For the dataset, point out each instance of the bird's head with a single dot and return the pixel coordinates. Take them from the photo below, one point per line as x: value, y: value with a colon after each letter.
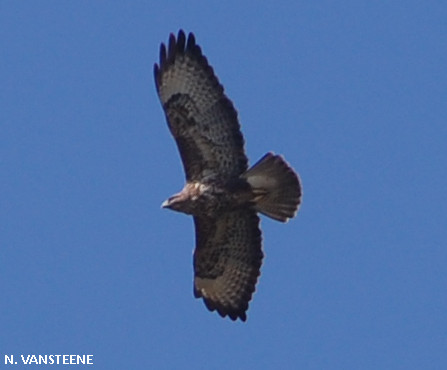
x: 179, y: 202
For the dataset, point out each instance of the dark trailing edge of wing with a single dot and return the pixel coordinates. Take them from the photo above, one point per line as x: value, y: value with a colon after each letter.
x: 223, y: 311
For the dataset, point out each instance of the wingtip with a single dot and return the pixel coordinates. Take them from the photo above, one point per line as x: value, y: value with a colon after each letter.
x: 156, y: 71
x: 181, y: 34
x: 181, y: 39
x: 171, y: 47
x: 191, y: 41
x: 162, y: 54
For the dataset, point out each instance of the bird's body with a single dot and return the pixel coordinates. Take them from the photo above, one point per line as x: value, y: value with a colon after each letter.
x: 211, y: 198
x: 221, y: 193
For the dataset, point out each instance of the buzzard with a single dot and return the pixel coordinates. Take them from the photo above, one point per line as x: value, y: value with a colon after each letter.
x: 221, y: 193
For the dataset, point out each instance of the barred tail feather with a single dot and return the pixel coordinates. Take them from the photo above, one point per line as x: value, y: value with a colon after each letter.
x: 276, y: 186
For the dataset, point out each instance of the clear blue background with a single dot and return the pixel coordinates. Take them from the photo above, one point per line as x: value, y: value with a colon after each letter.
x: 353, y: 93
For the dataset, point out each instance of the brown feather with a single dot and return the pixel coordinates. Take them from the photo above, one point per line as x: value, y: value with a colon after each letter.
x: 227, y: 261
x: 221, y: 194
x: 200, y: 116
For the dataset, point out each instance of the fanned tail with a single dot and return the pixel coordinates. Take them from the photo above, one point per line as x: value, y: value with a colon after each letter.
x: 276, y: 186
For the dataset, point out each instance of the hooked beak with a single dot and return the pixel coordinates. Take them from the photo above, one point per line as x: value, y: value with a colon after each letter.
x: 166, y: 203
x: 174, y: 202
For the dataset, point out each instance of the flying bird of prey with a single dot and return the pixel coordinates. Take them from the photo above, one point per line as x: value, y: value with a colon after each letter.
x: 221, y: 193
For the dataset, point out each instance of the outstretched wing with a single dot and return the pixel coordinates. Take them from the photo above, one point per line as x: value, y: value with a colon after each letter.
x: 201, y: 118
x: 227, y: 261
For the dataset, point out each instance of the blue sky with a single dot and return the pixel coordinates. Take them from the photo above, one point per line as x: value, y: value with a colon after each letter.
x: 352, y: 93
